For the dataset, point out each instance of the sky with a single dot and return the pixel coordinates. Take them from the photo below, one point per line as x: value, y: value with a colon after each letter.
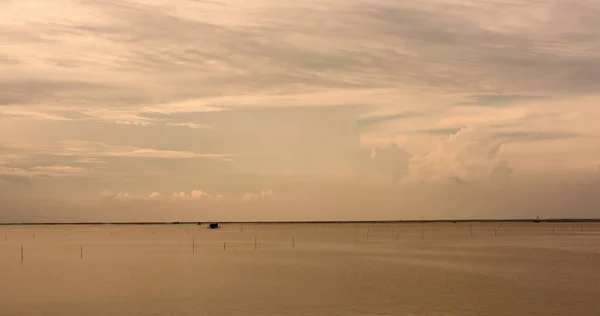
x: 236, y: 110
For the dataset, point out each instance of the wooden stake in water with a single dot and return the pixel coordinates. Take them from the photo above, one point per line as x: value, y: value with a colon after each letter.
x: 255, y: 245
x: 22, y: 253
x: 293, y: 243
x: 224, y: 245
x: 81, y: 252
x: 33, y: 235
x: 397, y: 236
x: 367, y: 236
x: 193, y: 245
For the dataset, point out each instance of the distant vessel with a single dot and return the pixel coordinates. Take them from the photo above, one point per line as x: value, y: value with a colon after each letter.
x: 537, y: 220
x: 213, y: 225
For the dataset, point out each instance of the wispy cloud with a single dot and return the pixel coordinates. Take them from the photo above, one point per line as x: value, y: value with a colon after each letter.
x: 97, y: 153
x: 43, y: 171
x: 194, y: 195
x: 206, y: 50
x: 534, y: 135
x: 497, y: 99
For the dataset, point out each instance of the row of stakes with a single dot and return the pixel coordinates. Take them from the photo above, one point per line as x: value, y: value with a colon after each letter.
x: 393, y: 229
x: 293, y: 240
x: 397, y: 234
x: 193, y: 247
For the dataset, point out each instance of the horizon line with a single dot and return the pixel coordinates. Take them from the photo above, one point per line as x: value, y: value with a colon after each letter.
x: 549, y: 220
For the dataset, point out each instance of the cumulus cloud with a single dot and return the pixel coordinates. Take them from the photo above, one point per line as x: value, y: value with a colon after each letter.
x: 390, y: 161
x: 469, y: 155
x: 193, y: 195
x: 257, y: 196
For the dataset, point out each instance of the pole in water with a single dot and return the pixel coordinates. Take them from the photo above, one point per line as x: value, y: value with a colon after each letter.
x: 33, y: 235
x: 397, y: 236
x: 367, y: 236
x: 471, y: 230
x: 224, y: 245
x: 81, y: 253
x: 293, y: 243
x: 422, y: 232
x: 21, y: 253
x: 255, y: 243
x: 193, y: 245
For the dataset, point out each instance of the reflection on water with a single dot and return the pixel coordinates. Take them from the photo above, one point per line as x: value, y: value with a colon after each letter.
x: 304, y: 269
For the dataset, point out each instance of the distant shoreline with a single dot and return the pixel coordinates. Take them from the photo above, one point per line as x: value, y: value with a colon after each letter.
x: 549, y: 220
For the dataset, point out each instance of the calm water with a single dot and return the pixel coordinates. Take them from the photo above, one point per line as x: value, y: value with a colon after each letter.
x: 310, y: 269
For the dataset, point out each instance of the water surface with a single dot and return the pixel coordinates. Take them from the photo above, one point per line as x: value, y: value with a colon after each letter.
x: 301, y: 269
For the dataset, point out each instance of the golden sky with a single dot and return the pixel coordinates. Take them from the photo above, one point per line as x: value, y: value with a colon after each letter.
x: 298, y: 110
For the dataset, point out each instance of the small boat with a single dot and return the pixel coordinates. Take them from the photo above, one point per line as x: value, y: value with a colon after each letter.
x: 213, y: 225
x: 537, y: 220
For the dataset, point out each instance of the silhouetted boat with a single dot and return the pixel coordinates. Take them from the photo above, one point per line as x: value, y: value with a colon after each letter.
x: 213, y: 225
x: 537, y: 220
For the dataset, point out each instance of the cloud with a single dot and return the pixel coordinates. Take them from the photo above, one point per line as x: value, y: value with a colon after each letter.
x: 88, y: 151
x: 374, y: 120
x: 154, y: 195
x: 90, y: 160
x: 390, y: 162
x: 43, y: 171
x: 469, y: 155
x: 527, y: 136
x: 257, y: 197
x: 194, y: 195
x: 163, y: 154
x: 498, y: 99
x: 189, y: 125
x: 139, y: 53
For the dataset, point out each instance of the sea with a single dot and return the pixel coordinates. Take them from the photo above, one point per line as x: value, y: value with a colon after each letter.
x: 445, y: 269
